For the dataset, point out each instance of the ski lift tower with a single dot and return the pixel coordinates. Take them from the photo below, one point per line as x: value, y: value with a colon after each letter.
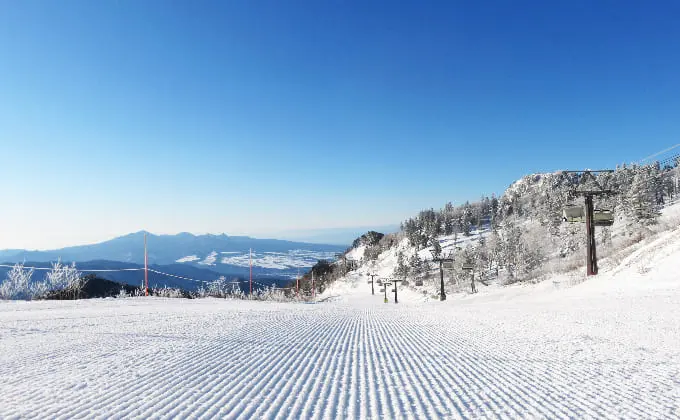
x: 589, y: 215
x: 371, y: 282
x: 444, y: 262
x: 469, y: 267
x: 394, y: 282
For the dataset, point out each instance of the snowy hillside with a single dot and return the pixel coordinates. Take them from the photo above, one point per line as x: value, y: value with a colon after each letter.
x: 621, y: 253
x: 522, y: 236
x: 608, y: 347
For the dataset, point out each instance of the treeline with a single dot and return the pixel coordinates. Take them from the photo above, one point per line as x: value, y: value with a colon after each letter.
x: 66, y: 282
x: 430, y: 224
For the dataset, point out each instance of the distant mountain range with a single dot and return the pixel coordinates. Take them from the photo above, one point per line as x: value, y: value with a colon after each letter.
x: 223, y: 254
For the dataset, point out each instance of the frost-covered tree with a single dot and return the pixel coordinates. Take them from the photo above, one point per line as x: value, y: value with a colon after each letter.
x: 448, y: 218
x: 218, y: 288
x: 17, y: 284
x: 520, y: 252
x: 436, y: 248
x: 63, y: 277
x: 494, y: 251
x: 122, y: 293
x: 401, y: 270
x: 168, y: 292
x: 369, y: 238
x: 641, y: 200
x: 272, y: 294
x: 467, y: 219
x: 372, y: 252
x: 202, y: 292
x: 416, y: 265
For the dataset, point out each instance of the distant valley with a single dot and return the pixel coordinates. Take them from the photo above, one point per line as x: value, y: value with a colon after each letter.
x: 219, y: 254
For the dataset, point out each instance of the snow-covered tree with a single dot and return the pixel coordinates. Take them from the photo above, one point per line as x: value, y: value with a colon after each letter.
x: 641, y: 199
x: 416, y: 265
x: 371, y: 252
x: 218, y: 288
x: 17, y: 284
x: 401, y: 270
x: 63, y: 277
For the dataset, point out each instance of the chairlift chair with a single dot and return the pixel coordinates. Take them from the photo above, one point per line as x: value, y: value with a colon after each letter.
x: 603, y: 217
x: 382, y: 290
x: 419, y: 282
x: 574, y: 214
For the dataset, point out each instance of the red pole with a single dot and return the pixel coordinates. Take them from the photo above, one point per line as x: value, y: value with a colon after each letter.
x: 146, y: 268
x: 251, y: 272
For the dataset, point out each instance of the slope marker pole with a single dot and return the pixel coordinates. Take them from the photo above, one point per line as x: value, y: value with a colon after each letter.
x: 251, y: 271
x: 146, y: 268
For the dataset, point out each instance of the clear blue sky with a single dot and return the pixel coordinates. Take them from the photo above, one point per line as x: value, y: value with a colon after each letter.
x: 253, y: 117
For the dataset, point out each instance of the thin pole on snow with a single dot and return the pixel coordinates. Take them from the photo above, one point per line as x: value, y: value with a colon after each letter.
x: 146, y: 268
x: 371, y: 281
x: 394, y: 282
x: 385, y: 286
x: 250, y: 263
x: 591, y: 253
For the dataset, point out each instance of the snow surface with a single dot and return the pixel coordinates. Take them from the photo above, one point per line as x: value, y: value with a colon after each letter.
x: 608, y: 347
x: 188, y: 258
x: 289, y: 260
x: 209, y: 259
x: 295, y: 258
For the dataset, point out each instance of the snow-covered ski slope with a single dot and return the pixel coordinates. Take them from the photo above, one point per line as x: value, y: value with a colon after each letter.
x: 605, y: 348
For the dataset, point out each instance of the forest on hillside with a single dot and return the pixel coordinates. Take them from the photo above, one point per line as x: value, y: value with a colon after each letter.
x: 522, y: 234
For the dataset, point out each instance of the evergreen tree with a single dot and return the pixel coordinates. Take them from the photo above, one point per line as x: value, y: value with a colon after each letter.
x: 401, y: 270
x: 416, y: 266
x: 641, y: 198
